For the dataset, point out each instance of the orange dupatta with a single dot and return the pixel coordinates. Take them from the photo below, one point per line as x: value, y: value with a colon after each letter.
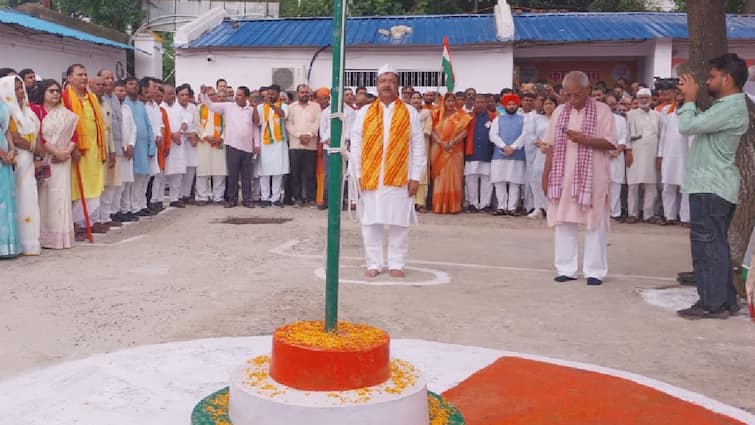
x: 162, y: 151
x: 72, y: 101
x: 469, y: 143
x: 397, y: 155
x: 276, y: 135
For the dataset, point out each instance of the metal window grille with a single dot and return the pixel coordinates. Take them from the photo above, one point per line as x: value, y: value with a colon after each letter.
x: 415, y: 78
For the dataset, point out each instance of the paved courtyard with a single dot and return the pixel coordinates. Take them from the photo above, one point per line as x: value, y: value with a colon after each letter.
x: 473, y: 279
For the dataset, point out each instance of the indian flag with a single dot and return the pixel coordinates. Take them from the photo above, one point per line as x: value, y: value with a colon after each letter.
x: 448, y: 69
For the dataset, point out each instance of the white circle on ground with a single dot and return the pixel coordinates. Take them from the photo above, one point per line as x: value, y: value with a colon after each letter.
x: 439, y: 278
x: 161, y: 384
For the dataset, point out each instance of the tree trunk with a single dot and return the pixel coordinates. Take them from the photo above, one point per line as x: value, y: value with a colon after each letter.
x: 706, y: 22
x: 744, y: 217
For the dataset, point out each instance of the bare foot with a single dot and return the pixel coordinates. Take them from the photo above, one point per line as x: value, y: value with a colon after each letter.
x: 398, y: 274
x: 372, y: 273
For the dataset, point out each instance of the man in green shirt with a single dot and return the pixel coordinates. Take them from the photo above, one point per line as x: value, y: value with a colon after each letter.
x: 712, y: 181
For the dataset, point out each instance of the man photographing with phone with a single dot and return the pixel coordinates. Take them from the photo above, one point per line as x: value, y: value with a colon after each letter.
x: 712, y: 181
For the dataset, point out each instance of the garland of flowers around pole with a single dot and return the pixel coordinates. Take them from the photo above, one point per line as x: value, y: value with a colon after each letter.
x: 213, y: 410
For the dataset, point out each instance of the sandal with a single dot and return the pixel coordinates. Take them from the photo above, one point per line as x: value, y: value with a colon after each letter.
x: 499, y: 213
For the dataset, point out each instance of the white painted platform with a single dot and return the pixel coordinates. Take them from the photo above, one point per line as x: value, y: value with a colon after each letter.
x: 256, y: 399
x: 161, y: 384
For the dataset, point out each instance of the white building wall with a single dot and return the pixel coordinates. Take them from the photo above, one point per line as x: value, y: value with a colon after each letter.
x: 149, y: 58
x: 49, y: 55
x: 486, y: 68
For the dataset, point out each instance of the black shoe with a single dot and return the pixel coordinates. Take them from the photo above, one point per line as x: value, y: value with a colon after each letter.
x: 247, y: 204
x: 264, y: 204
x: 471, y: 209
x: 499, y: 213
x: 722, y: 314
x: 695, y: 312
x: 132, y: 216
x: 230, y: 205
x: 278, y: 204
x: 144, y: 213
x: 593, y: 281
x: 564, y: 279
x: 123, y: 218
x: 322, y: 207
x: 734, y: 309
x: 177, y: 204
x: 618, y: 219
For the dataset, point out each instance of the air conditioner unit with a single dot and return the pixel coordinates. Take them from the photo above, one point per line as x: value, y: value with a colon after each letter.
x: 288, y: 78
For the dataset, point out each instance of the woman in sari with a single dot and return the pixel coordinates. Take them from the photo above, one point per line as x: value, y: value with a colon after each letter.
x: 538, y: 165
x: 10, y: 242
x: 58, y: 125
x: 420, y: 199
x: 448, y: 156
x: 24, y: 130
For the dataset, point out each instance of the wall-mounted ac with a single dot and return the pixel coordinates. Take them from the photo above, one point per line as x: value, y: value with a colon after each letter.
x: 288, y: 78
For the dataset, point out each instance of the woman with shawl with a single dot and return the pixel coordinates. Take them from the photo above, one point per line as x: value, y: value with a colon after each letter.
x: 448, y: 156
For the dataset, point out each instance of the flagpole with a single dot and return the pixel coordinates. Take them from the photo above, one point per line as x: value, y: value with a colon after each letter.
x: 335, y: 169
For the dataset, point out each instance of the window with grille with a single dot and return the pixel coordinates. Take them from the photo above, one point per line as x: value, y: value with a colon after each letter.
x: 368, y: 78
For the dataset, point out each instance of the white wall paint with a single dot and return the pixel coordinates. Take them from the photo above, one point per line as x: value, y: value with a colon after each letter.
x: 149, y: 58
x: 487, y: 69
x: 659, y: 61
x: 49, y: 56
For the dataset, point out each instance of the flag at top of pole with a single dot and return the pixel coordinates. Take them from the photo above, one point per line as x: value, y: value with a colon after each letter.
x: 448, y: 69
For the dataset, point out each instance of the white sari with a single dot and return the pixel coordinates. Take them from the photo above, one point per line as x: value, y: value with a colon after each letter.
x: 55, y: 192
x: 27, y: 203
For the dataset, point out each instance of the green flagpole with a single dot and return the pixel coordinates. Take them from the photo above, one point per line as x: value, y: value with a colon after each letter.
x: 335, y: 170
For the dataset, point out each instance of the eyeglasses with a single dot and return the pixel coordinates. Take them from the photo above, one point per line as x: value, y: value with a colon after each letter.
x: 53, y: 91
x: 568, y: 95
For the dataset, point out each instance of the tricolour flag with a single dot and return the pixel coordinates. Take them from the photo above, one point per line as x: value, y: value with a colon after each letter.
x: 448, y: 69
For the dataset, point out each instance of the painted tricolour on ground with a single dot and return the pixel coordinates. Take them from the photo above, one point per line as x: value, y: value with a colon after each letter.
x: 161, y: 384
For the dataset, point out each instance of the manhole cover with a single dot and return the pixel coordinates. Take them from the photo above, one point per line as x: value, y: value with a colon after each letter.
x: 253, y: 220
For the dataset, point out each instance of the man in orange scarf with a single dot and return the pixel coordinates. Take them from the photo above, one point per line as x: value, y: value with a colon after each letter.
x: 388, y: 166
x: 88, y: 174
x: 270, y: 116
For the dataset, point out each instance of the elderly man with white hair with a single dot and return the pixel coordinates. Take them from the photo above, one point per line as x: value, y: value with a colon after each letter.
x: 644, y: 125
x: 388, y: 158
x: 576, y: 179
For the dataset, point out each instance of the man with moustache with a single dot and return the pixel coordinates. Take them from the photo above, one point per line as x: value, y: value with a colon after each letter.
x: 644, y: 126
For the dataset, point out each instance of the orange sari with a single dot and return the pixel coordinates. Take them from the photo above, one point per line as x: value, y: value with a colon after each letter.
x: 448, y: 167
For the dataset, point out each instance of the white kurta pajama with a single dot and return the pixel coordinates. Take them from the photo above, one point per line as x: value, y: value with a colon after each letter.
x: 176, y: 164
x: 159, y: 181
x: 530, y: 153
x: 618, y: 166
x: 644, y: 134
x: 540, y: 201
x: 273, y: 157
x: 388, y: 205
x: 673, y: 149
x: 211, y: 165
x: 508, y: 172
x: 125, y: 165
x: 190, y: 152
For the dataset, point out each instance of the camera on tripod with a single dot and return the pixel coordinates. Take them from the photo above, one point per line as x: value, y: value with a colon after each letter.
x: 665, y: 83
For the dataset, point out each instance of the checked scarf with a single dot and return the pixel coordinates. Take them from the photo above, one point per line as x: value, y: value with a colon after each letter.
x: 582, y: 181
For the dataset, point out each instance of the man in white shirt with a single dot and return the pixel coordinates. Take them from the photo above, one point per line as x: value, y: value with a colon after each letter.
x: 302, y: 127
x: 673, y: 150
x: 618, y: 165
x: 182, y: 115
x: 388, y: 166
x: 644, y: 126
x: 158, y: 127
x: 270, y: 116
x: 124, y: 160
x: 240, y: 144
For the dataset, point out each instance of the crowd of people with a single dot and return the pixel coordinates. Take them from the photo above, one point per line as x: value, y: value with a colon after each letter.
x: 93, y: 153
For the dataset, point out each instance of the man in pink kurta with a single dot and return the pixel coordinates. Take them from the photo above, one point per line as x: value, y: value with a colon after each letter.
x: 586, y: 136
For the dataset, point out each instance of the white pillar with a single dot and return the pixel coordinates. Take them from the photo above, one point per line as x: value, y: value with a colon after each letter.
x: 659, y: 62
x: 507, y: 67
x: 149, y: 55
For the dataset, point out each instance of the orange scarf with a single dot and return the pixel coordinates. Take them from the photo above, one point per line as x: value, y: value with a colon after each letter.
x: 469, y: 144
x: 277, y: 134
x: 162, y: 151
x: 72, y: 101
x: 396, y: 171
x: 217, y: 125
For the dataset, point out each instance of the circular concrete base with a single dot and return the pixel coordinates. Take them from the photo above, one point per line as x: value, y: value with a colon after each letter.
x: 161, y: 384
x: 257, y: 399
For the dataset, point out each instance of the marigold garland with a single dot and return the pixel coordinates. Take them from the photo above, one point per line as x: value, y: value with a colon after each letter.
x: 347, y: 336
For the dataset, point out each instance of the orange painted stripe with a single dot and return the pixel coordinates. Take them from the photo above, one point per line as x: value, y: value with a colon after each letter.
x: 514, y: 391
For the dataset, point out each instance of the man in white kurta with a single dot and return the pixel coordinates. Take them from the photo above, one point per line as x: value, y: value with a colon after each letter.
x: 391, y: 206
x: 156, y: 121
x: 125, y: 162
x: 618, y: 164
x: 672, y: 154
x: 509, y: 133
x: 175, y: 164
x: 192, y: 140
x: 644, y: 125
x: 211, y: 166
x: 270, y: 116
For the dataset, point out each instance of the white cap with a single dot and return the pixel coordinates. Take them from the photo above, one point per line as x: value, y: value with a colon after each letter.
x: 385, y: 69
x: 644, y: 92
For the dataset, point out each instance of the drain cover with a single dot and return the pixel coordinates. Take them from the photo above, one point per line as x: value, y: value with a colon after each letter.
x: 253, y: 220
